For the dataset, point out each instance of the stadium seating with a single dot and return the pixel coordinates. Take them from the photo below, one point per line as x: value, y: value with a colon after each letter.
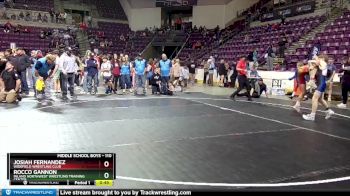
x: 261, y: 37
x: 40, y: 5
x: 113, y: 31
x: 29, y: 41
x: 108, y: 8
x: 335, y: 42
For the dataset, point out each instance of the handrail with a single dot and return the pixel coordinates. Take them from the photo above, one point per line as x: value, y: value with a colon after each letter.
x: 183, y: 45
x: 171, y: 56
x: 154, y: 36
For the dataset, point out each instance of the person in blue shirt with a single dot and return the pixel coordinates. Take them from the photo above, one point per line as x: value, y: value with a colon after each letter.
x: 140, y: 66
x: 92, y: 73
x: 125, y: 74
x: 165, y: 70
x: 44, y: 70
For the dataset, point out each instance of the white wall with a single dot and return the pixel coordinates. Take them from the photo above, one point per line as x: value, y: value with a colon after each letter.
x: 209, y: 16
x: 141, y: 18
x: 236, y: 5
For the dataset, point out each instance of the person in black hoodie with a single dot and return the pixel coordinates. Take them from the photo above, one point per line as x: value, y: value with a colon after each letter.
x: 21, y: 61
x: 3, y: 61
x: 156, y: 81
x: 345, y: 83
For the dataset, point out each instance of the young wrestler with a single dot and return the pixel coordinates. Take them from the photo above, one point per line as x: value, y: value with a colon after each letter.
x: 318, y: 71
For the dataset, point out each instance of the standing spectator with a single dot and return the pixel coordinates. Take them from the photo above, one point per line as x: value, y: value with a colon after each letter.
x: 345, y: 83
x: 269, y: 57
x: 165, y: 69
x: 178, y: 23
x: 64, y: 16
x: 125, y: 74
x: 234, y: 74
x: 176, y: 70
x: 89, y: 19
x: 206, y: 71
x: 45, y: 18
x: 52, y: 15
x: 282, y: 45
x: 222, y: 72
x: 57, y: 14
x: 140, y: 70
x: 184, y: 76
x: 242, y: 79
x: 21, y: 16
x: 116, y: 73
x: 192, y: 71
x: 39, y: 17
x: 9, y: 84
x: 150, y: 70
x: 68, y: 67
x: 283, y: 20
x: 21, y: 61
x: 106, y: 68
x: 92, y: 73
x: 211, y: 71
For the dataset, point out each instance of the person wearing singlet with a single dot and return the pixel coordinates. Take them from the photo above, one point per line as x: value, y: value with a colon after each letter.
x: 319, y: 65
x: 302, y: 71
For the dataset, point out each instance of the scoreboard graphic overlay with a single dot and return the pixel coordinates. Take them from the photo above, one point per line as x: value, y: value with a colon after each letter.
x: 61, y: 169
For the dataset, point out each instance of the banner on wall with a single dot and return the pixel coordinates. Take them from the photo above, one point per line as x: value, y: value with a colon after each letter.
x: 293, y: 10
x: 175, y: 3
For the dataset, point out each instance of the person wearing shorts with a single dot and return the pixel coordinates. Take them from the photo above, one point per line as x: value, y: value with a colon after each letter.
x: 302, y: 71
x: 319, y: 64
x: 106, y: 68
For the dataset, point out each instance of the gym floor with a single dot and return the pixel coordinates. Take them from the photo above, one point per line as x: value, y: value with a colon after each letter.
x: 190, y: 141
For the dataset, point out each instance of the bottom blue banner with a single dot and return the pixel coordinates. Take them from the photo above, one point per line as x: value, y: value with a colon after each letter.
x: 29, y: 192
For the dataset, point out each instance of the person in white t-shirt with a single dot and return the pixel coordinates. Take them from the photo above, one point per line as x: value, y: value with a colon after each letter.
x: 106, y: 68
x: 184, y: 76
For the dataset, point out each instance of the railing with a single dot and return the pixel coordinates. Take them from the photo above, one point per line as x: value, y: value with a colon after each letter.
x: 224, y: 41
x: 183, y: 45
x: 148, y: 45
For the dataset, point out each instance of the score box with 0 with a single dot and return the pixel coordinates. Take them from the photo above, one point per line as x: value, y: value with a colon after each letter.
x: 49, y: 168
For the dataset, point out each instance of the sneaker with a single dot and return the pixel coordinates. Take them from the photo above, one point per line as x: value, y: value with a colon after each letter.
x: 123, y: 90
x: 297, y: 108
x: 341, y: 105
x: 329, y: 113
x: 130, y: 91
x: 74, y: 97
x: 19, y: 98
x: 65, y: 98
x: 309, y: 117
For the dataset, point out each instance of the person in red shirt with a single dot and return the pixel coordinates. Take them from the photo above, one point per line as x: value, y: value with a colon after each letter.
x: 242, y: 79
